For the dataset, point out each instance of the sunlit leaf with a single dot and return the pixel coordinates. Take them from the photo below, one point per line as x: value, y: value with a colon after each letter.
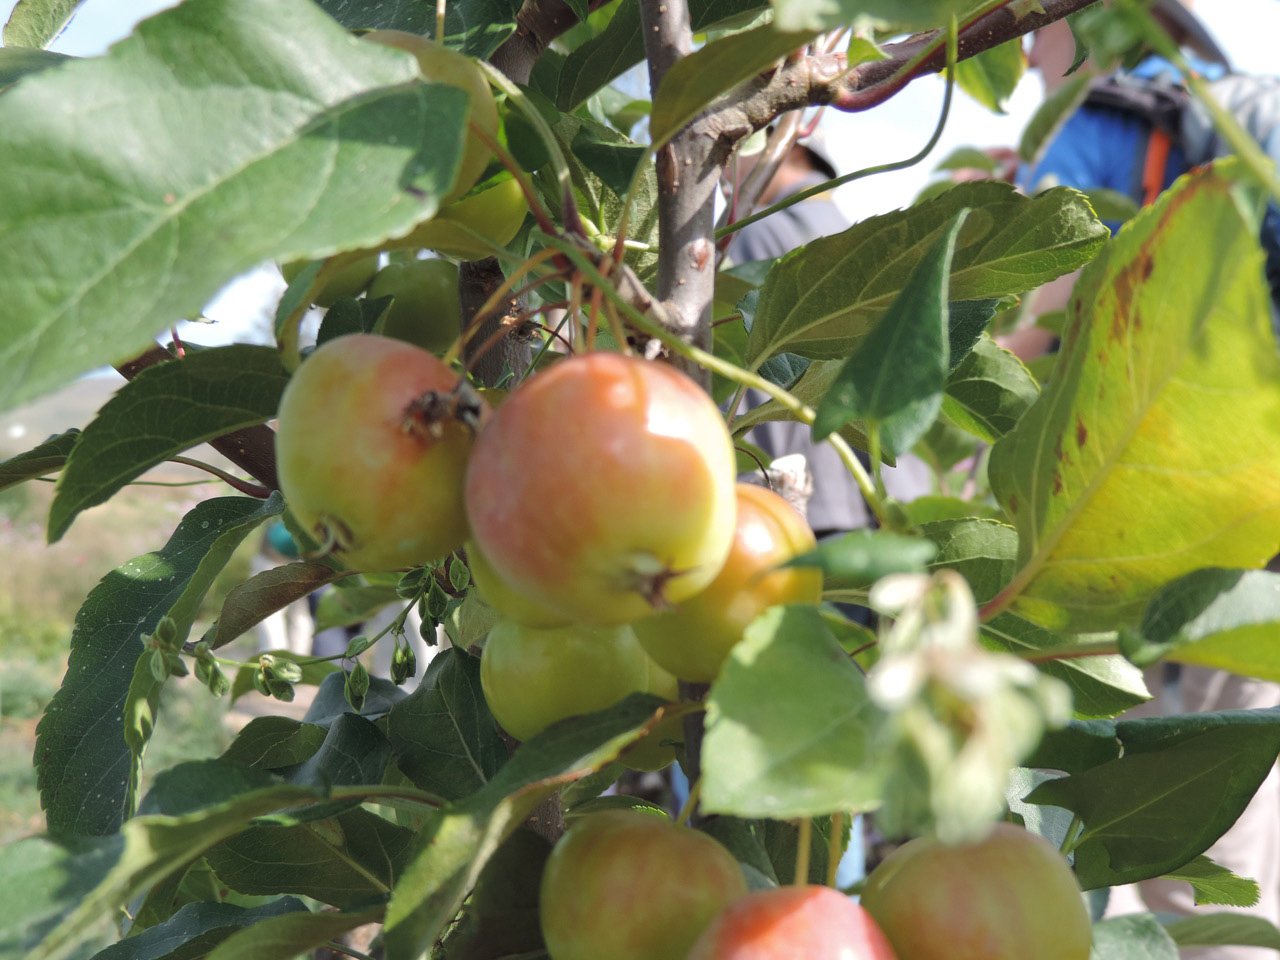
x: 1121, y: 478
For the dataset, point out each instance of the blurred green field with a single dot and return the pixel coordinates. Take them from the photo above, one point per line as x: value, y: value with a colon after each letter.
x: 42, y: 586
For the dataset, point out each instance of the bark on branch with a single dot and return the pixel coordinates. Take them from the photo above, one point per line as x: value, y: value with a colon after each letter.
x: 823, y: 80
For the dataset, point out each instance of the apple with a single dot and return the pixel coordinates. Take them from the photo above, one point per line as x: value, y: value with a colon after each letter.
x: 533, y: 677
x: 439, y: 64
x: 693, y: 639
x: 604, y: 488
x: 794, y: 923
x: 507, y: 602
x: 426, y: 310
x: 495, y: 213
x: 360, y: 467
x: 1010, y: 896
x: 346, y: 281
x: 626, y: 885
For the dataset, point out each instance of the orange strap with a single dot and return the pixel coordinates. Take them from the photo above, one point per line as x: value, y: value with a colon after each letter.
x: 1157, y: 162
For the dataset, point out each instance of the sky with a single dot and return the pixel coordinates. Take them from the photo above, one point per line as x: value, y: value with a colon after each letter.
x: 1246, y: 29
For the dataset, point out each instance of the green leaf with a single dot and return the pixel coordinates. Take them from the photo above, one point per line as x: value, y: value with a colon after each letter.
x: 330, y: 701
x: 19, y: 62
x: 42, y: 880
x: 456, y: 842
x: 1225, y: 619
x: 1135, y: 937
x: 809, y: 390
x: 1101, y: 686
x: 620, y: 46
x: 151, y: 847
x: 166, y: 409
x: 344, y: 860
x: 249, y: 603
x: 982, y: 551
x: 83, y: 765
x: 991, y: 76
x: 1118, y: 478
x: 354, y: 753
x: 475, y: 27
x: 195, y: 930
x: 1079, y: 746
x: 35, y: 23
x: 789, y: 724
x: 821, y: 299
x: 1112, y: 205
x: 342, y: 158
x: 1180, y: 784
x: 863, y: 50
x: 901, y: 14
x: 1224, y: 929
x: 894, y: 378
x: 501, y: 915
x: 857, y: 559
x: 444, y: 738
x: 39, y: 461
x: 286, y: 937
x: 612, y: 161
x: 697, y: 79
x: 1215, y: 884
x: 968, y: 158
x: 351, y: 603
x: 1051, y: 115
x: 989, y: 391
x: 272, y: 743
x: 968, y: 318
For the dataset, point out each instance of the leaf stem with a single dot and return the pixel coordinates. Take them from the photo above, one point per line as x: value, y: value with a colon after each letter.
x: 244, y: 486
x: 804, y: 837
x: 1072, y: 838
x: 690, y: 804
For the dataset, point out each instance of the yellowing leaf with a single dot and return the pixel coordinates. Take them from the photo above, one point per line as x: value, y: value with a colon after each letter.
x: 1155, y: 450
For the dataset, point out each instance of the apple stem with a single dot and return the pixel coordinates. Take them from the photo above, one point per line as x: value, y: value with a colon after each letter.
x: 804, y: 838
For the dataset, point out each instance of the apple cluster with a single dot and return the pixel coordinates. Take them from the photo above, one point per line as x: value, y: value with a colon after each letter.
x: 598, y: 507
x: 600, y: 516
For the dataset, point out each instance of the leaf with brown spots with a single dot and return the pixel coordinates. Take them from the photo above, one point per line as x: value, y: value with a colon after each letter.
x: 1155, y: 449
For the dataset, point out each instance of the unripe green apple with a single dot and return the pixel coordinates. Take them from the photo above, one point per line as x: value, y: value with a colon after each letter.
x: 360, y: 467
x: 533, y: 678
x: 426, y: 310
x: 346, y: 281
x: 625, y: 885
x: 693, y: 639
x: 1010, y: 896
x: 510, y: 604
x: 495, y: 213
x: 794, y: 923
x: 439, y: 64
x: 604, y: 487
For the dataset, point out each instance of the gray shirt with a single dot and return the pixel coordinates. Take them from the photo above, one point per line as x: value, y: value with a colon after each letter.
x: 836, y: 503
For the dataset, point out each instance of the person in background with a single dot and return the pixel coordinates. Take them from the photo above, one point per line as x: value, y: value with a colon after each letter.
x: 1103, y: 145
